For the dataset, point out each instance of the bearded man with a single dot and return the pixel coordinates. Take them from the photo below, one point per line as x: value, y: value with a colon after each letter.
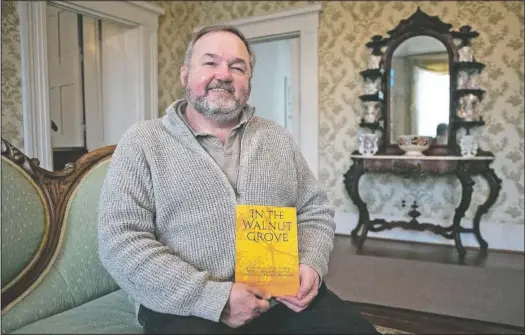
x: 167, y: 209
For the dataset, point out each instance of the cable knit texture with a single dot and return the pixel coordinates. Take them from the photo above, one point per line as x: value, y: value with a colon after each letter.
x: 167, y: 212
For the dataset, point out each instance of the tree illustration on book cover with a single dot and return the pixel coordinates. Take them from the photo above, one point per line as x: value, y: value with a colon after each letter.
x: 267, y: 253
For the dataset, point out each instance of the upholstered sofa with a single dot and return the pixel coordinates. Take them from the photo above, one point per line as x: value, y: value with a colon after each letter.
x: 52, y: 279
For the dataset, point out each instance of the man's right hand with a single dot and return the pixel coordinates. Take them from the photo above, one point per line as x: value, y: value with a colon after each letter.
x: 244, y: 304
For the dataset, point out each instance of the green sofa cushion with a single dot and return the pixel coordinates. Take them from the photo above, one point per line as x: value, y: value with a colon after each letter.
x: 79, y: 262
x: 24, y: 220
x: 51, y: 297
x: 77, y: 276
x: 110, y: 314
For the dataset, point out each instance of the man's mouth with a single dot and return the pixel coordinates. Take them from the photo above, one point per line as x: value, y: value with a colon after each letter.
x: 220, y: 90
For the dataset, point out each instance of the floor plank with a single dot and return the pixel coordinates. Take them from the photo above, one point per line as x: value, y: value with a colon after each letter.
x: 427, y: 323
x: 428, y: 278
x: 445, y: 254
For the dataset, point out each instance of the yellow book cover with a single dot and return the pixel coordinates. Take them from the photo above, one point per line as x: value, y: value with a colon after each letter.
x: 267, y: 254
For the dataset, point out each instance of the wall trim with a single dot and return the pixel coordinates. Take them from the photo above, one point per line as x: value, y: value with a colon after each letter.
x: 313, y: 9
x: 129, y: 13
x: 499, y: 235
x: 149, y: 6
x: 35, y: 88
x: 303, y: 22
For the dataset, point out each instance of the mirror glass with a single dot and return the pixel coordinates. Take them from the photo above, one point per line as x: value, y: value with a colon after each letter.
x: 419, y: 89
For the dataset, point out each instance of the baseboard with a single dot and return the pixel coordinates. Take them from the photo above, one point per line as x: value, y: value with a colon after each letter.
x: 473, y: 248
x: 499, y: 236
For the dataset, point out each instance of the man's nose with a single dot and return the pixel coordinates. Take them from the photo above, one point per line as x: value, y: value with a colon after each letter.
x: 223, y: 72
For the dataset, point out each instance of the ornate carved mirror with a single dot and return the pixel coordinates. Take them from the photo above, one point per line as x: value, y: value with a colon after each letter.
x: 420, y: 82
x: 419, y: 89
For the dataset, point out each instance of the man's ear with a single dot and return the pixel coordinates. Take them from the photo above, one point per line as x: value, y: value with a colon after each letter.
x: 183, y: 73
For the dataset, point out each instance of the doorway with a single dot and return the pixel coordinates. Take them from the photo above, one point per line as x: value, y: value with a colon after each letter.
x: 87, y: 92
x: 66, y: 87
x: 89, y: 71
x: 275, y: 82
x: 301, y: 23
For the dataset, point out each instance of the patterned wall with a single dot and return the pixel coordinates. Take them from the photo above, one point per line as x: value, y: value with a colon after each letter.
x: 12, y: 123
x: 344, y: 29
x: 175, y: 29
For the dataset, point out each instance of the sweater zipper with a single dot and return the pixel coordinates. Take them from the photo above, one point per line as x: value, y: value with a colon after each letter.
x: 236, y: 191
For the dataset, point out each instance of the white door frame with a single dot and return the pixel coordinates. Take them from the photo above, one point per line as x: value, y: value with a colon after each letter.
x: 304, y: 22
x: 35, y: 88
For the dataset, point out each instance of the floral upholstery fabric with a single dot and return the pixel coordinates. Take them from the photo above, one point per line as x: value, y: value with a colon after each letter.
x: 77, y: 276
x: 110, y: 314
x: 23, y: 220
x: 79, y: 263
x: 50, y: 297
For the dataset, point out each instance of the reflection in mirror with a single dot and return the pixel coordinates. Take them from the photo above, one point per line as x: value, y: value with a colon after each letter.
x: 419, y: 89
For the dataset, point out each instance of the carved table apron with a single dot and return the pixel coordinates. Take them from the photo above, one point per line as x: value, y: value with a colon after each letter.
x: 464, y: 168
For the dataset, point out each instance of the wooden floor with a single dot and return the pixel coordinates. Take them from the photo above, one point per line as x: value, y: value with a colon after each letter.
x: 445, y: 254
x: 426, y: 323
x: 412, y: 320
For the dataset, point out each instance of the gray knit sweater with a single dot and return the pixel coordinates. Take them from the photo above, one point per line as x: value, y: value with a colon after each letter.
x: 167, y: 212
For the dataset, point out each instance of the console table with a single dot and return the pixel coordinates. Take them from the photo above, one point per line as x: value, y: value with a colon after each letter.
x: 409, y: 166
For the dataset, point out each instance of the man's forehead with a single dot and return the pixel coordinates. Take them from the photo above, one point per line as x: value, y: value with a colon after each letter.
x: 221, y: 44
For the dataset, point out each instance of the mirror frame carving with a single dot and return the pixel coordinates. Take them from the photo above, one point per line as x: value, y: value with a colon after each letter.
x: 420, y: 24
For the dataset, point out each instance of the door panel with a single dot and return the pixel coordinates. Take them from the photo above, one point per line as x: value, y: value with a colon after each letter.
x: 119, y: 97
x: 65, y: 80
x: 92, y: 84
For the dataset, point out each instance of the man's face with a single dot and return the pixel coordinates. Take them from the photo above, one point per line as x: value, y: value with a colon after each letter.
x: 217, y: 81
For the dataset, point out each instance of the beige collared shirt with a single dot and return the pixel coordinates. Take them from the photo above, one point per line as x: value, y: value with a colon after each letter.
x: 225, y: 155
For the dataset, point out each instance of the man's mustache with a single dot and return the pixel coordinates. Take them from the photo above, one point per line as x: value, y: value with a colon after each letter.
x: 222, y: 86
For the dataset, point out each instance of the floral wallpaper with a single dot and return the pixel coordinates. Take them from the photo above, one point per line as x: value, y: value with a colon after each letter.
x: 345, y: 27
x: 175, y: 30
x: 12, y: 124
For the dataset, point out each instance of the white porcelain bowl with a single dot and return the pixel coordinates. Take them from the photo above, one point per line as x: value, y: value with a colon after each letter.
x: 414, y: 145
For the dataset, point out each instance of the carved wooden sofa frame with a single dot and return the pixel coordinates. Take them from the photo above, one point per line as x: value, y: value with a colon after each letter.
x: 53, y: 280
x: 55, y: 187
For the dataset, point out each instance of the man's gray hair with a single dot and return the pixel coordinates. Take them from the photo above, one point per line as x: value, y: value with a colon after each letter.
x: 217, y: 28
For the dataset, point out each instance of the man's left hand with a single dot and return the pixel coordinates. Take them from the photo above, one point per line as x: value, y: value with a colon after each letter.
x: 309, y: 284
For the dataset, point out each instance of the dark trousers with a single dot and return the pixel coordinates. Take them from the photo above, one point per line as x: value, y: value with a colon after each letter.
x: 327, y: 314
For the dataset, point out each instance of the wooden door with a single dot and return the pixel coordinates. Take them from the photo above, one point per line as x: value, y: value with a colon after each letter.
x: 65, y: 78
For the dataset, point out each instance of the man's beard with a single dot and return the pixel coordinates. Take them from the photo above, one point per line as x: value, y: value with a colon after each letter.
x: 221, y: 109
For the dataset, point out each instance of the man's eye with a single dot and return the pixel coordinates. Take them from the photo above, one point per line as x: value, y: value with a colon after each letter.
x: 209, y: 63
x: 238, y: 69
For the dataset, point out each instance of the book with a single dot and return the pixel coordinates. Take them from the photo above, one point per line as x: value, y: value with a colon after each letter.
x: 266, y: 249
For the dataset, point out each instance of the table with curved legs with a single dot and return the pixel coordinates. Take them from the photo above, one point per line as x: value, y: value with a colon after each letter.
x: 463, y: 168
